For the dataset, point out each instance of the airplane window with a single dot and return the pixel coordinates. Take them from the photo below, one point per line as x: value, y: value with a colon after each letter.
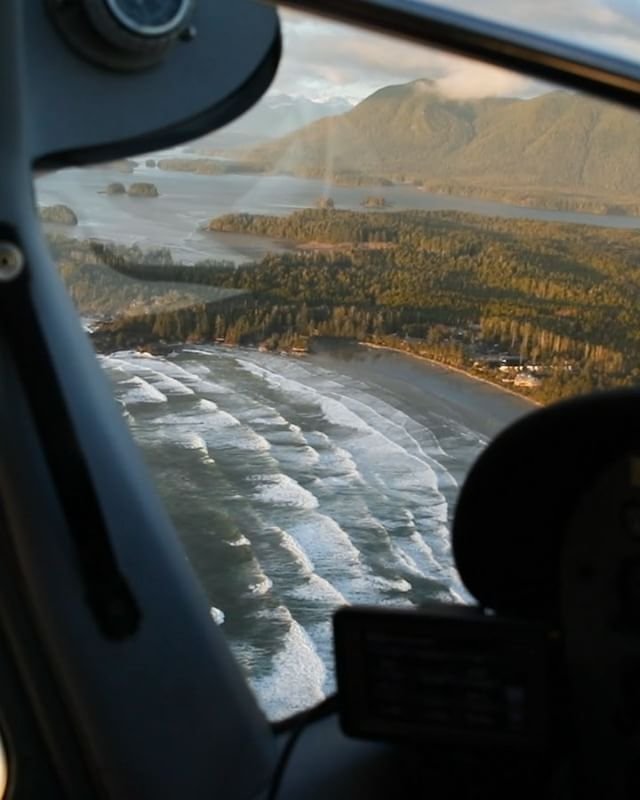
x: 314, y: 319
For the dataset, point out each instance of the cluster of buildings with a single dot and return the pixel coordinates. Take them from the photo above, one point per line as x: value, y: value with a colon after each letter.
x: 515, y: 369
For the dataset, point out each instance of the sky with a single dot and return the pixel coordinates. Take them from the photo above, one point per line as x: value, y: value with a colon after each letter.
x: 324, y: 59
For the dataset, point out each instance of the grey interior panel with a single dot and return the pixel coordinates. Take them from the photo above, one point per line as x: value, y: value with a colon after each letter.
x: 81, y: 112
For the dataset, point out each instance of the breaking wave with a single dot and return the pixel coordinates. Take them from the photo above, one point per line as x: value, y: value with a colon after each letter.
x: 297, y: 491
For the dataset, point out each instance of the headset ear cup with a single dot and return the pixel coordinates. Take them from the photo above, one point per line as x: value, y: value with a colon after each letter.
x: 514, y: 508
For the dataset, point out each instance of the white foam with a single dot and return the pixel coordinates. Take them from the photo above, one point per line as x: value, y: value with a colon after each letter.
x: 114, y: 364
x: 271, y: 418
x: 217, y: 615
x: 318, y: 439
x: 201, y: 350
x: 215, y: 388
x: 141, y: 392
x: 328, y: 545
x: 261, y: 586
x: 418, y: 553
x: 393, y: 584
x: 376, y: 445
x: 124, y: 410
x: 293, y: 388
x: 338, y: 414
x: 197, y: 368
x: 405, y: 560
x: 334, y: 536
x: 288, y: 436
x: 166, y: 377
x: 433, y: 549
x: 299, y: 555
x: 398, y: 421
x: 214, y: 427
x: 337, y: 560
x: 321, y: 592
x: 282, y: 433
x: 371, y: 407
x: 292, y: 447
x: 340, y: 465
x: 215, y: 420
x: 170, y: 369
x: 379, y: 444
x: 250, y: 440
x: 222, y: 429
x: 282, y: 490
x: 462, y: 598
x: 316, y: 587
x: 241, y: 542
x: 169, y: 385
x: 191, y: 441
x: 423, y: 548
x: 297, y: 675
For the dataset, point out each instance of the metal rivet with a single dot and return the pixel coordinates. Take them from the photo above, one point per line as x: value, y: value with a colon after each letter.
x: 11, y: 261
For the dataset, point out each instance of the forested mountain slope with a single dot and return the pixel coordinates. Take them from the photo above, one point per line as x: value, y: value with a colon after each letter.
x: 559, y: 142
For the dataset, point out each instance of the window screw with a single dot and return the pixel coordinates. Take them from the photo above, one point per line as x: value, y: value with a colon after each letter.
x: 188, y: 34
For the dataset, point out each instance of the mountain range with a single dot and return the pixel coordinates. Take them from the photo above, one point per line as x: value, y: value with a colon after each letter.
x: 581, y: 150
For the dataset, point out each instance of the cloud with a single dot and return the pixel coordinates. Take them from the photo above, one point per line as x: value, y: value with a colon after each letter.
x: 324, y: 58
x: 467, y: 79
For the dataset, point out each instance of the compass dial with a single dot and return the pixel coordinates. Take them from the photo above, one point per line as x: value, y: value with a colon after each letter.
x: 149, y: 17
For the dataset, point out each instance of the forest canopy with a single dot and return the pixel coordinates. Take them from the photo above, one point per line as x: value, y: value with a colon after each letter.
x: 450, y: 286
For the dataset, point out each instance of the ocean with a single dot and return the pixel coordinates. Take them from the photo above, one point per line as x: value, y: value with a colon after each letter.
x: 188, y: 201
x: 301, y: 484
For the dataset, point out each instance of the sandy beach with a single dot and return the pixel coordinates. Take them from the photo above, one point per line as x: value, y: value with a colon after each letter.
x: 421, y: 386
x: 461, y: 371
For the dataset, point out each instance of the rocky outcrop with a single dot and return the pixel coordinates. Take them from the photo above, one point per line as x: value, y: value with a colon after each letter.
x: 374, y: 201
x: 143, y: 189
x: 59, y: 213
x: 116, y: 188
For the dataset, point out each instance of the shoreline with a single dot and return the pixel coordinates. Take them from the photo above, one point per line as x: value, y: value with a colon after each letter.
x: 451, y: 368
x: 166, y: 348
x: 532, y: 199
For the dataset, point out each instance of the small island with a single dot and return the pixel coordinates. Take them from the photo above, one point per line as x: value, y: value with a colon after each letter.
x: 58, y: 214
x: 143, y: 189
x: 208, y: 166
x: 374, y: 201
x: 324, y: 202
x: 116, y: 188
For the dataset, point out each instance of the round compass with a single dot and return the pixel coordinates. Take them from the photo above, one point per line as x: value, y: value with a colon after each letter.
x: 124, y: 34
x: 148, y: 17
